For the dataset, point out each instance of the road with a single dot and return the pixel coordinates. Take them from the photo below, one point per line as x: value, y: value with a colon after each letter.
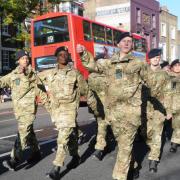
x: 89, y: 169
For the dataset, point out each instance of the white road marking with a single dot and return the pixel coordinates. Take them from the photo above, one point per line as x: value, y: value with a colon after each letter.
x: 13, y: 135
x: 15, y: 119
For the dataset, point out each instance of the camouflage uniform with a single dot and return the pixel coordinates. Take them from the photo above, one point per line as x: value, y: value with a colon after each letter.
x: 175, y: 87
x: 123, y: 103
x: 65, y: 86
x: 25, y: 88
x: 98, y: 84
x: 158, y: 106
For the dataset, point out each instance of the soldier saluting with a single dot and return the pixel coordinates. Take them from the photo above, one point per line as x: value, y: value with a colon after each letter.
x: 124, y: 73
x: 25, y: 87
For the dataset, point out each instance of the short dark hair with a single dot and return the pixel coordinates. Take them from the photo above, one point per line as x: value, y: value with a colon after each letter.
x: 59, y: 49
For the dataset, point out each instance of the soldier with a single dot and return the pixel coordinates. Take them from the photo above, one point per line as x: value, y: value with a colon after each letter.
x: 175, y: 76
x: 65, y: 84
x: 25, y: 87
x: 165, y: 66
x: 98, y: 83
x: 124, y: 74
x: 158, y: 106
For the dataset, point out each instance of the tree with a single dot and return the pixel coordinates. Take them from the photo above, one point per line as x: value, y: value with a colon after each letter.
x: 15, y: 12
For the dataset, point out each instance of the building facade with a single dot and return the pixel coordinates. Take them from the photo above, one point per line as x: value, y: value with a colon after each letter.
x: 8, y: 46
x: 168, y: 34
x: 138, y: 16
x: 178, y: 48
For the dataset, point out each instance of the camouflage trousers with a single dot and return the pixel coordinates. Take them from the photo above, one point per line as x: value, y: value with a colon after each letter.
x: 125, y: 120
x: 155, y: 126
x: 101, y: 134
x: 66, y: 143
x: 26, y: 136
x: 176, y: 129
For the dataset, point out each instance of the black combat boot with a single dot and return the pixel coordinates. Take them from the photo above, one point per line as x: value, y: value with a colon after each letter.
x: 136, y: 173
x: 34, y: 157
x: 54, y: 173
x: 76, y: 160
x: 11, y: 164
x: 153, y: 166
x: 174, y: 147
x: 98, y: 154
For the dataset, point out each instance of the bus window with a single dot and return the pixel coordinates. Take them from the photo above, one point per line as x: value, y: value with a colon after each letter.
x: 138, y: 45
x: 98, y: 33
x: 109, y: 36
x: 51, y: 31
x: 116, y: 34
x: 144, y: 45
x: 87, y: 31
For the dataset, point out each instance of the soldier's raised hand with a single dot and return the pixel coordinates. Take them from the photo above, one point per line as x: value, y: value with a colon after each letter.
x: 80, y: 48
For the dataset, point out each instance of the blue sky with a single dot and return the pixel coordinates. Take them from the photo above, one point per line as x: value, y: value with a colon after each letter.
x: 173, y: 6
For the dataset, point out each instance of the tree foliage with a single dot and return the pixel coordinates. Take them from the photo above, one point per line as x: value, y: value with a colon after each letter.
x: 16, y: 11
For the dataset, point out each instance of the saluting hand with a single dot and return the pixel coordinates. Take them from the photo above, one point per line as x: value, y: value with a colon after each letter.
x: 80, y: 48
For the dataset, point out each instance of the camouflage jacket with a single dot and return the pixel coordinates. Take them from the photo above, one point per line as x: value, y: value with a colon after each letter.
x: 98, y: 83
x: 158, y: 90
x: 175, y: 89
x: 25, y: 88
x: 65, y: 87
x: 124, y: 77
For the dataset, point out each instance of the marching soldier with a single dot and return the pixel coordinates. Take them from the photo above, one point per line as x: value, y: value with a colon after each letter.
x: 124, y: 74
x: 65, y: 84
x: 175, y: 87
x: 25, y: 86
x: 158, y: 106
x: 98, y: 83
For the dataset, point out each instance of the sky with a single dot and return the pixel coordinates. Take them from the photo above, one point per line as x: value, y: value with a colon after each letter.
x: 173, y: 6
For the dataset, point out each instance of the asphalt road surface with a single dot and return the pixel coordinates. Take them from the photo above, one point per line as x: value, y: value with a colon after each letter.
x: 90, y: 168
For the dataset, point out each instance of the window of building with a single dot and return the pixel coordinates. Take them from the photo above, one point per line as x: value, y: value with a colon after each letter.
x: 173, y: 52
x: 173, y: 32
x: 80, y: 12
x: 5, y: 30
x: 164, y: 52
x: 109, y: 36
x: 147, y: 37
x: 5, y: 60
x: 138, y: 15
x: 87, y: 31
x: 163, y: 29
x: 154, y: 44
x: 153, y: 21
x: 98, y: 33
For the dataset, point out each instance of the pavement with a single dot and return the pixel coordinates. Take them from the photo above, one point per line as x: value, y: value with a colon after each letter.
x: 6, y: 105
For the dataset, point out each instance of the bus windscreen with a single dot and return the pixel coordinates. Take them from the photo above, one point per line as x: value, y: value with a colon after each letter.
x: 51, y: 31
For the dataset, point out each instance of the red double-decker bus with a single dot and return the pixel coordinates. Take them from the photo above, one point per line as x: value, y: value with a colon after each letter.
x: 52, y: 30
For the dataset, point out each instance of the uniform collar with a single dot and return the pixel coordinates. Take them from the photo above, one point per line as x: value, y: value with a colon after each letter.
x: 65, y: 69
x: 116, y: 58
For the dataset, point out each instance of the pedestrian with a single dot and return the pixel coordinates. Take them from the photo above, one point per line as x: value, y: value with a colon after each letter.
x: 65, y: 85
x: 158, y: 106
x: 25, y: 87
x: 175, y: 87
x: 124, y: 74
